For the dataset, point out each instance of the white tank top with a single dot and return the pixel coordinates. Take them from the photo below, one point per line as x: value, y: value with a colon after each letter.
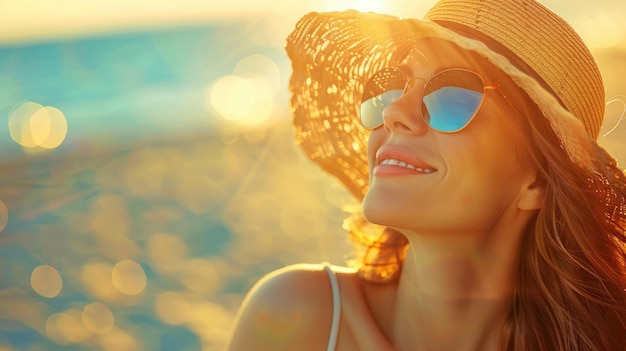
x: 334, y: 328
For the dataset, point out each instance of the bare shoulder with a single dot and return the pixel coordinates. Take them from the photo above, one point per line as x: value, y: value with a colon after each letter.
x: 289, y: 309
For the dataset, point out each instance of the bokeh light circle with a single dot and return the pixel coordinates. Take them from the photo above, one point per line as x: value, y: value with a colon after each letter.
x: 232, y: 97
x: 66, y: 328
x: 129, y: 277
x: 166, y: 252
x: 19, y: 123
x: 46, y: 281
x: 4, y: 215
x: 48, y: 127
x: 199, y: 275
x: 120, y: 340
x: 96, y: 277
x: 34, y: 126
x: 261, y: 67
x: 248, y: 101
x: 172, y: 308
x: 98, y: 318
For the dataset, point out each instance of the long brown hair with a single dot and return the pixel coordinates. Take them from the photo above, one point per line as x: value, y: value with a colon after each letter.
x: 572, y: 272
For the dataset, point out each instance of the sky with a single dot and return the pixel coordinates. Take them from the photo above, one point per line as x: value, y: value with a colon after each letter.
x: 37, y: 20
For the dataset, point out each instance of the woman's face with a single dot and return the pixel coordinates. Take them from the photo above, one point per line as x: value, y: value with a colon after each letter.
x: 469, y: 178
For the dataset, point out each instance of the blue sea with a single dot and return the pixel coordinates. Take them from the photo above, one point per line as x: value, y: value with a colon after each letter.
x: 146, y: 225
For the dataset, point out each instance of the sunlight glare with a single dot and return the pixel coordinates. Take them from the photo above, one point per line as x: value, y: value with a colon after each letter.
x: 359, y: 5
x: 247, y: 101
x: 601, y: 30
x: 259, y: 66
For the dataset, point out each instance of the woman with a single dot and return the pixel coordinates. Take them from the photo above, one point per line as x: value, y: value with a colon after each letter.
x: 491, y: 219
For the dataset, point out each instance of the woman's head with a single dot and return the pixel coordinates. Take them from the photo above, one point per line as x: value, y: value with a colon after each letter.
x: 335, y: 55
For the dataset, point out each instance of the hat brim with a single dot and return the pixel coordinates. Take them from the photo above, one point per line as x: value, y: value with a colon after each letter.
x: 334, y: 54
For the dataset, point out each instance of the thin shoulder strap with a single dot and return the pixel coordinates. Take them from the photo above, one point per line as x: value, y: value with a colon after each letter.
x: 334, y: 328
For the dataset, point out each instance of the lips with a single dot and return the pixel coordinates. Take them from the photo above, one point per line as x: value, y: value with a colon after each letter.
x: 395, y: 160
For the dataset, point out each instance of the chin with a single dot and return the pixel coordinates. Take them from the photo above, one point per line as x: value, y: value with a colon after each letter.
x: 380, y: 212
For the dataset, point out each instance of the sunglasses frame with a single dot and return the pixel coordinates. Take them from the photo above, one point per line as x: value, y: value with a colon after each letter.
x: 408, y: 85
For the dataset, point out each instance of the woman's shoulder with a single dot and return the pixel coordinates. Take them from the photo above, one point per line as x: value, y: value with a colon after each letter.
x: 290, y: 308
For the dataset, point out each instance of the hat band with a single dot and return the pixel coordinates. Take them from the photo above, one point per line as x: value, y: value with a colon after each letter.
x: 497, y: 47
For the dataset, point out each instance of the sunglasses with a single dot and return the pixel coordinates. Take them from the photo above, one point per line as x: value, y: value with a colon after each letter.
x: 450, y: 99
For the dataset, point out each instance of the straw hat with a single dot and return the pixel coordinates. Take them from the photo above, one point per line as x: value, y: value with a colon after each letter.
x: 334, y: 54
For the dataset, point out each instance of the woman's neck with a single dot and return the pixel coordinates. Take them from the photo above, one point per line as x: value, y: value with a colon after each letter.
x: 455, y: 292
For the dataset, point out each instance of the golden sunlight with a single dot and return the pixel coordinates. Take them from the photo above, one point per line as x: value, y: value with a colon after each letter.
x: 360, y: 5
x: 245, y: 100
x: 600, y: 30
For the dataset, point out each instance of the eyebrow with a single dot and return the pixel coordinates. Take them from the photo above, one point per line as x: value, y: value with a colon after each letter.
x: 406, y: 69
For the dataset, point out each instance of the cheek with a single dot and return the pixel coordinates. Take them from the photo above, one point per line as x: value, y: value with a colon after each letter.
x: 481, y: 171
x: 375, y: 140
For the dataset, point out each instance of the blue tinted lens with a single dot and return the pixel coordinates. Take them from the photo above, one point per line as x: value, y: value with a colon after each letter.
x: 449, y: 108
x: 382, y: 89
x: 451, y: 99
x: 372, y: 109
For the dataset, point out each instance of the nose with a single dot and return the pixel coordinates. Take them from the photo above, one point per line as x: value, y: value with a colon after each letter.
x: 405, y: 114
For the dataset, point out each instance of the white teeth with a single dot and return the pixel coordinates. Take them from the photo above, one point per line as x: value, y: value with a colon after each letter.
x: 394, y: 162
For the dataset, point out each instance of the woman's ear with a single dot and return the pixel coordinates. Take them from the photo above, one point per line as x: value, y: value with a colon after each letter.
x: 532, y: 194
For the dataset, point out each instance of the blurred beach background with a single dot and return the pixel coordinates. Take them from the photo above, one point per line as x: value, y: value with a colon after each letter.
x: 148, y: 176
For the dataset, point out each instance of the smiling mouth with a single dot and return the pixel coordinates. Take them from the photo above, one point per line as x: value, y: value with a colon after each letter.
x: 394, y: 162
